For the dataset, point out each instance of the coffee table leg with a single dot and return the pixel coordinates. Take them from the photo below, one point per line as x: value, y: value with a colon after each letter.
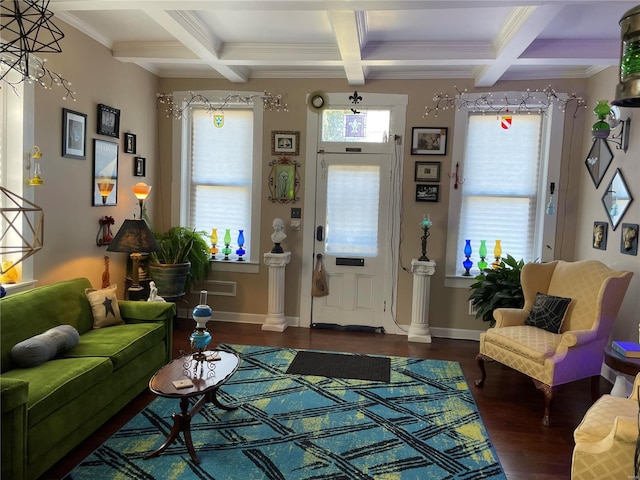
x: 211, y: 397
x: 181, y: 423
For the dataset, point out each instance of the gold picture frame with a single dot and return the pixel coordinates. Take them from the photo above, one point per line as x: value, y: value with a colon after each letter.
x: 284, y: 180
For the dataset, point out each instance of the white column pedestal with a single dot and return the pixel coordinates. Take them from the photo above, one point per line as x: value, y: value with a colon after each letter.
x: 275, y: 321
x: 419, y: 329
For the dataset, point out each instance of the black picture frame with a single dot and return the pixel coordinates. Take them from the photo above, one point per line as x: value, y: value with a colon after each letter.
x: 599, y: 237
x: 629, y: 239
x: 129, y: 143
x: 74, y: 134
x: 105, y: 173
x: 427, y: 172
x: 427, y: 193
x: 429, y: 141
x: 139, y: 167
x: 285, y: 143
x: 108, y: 121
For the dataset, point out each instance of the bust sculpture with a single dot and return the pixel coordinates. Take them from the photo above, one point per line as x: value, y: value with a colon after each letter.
x: 278, y: 235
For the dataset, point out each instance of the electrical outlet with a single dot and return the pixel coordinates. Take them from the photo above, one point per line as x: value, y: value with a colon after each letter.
x: 296, y: 212
x: 472, y: 309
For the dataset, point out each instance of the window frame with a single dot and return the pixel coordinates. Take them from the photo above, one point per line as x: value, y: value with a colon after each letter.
x: 181, y: 170
x: 552, y: 134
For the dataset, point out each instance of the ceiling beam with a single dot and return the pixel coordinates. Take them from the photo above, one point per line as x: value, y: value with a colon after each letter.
x: 518, y: 32
x: 347, y: 30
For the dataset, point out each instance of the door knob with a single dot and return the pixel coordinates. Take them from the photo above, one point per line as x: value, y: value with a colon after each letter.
x: 319, y: 233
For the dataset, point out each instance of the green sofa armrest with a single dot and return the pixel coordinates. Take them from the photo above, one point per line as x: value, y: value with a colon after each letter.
x: 140, y: 312
x: 13, y: 398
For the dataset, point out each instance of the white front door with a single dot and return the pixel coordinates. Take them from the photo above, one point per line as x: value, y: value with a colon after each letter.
x: 352, y: 238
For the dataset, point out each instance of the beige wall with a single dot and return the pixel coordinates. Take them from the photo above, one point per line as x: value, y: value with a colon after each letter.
x: 602, y: 87
x: 71, y: 223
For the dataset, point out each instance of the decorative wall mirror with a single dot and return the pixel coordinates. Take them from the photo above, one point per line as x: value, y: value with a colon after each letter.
x: 284, y: 180
x: 616, y: 199
x: 598, y: 160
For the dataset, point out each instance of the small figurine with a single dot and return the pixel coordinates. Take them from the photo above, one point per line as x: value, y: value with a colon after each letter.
x: 278, y: 235
x: 153, y: 293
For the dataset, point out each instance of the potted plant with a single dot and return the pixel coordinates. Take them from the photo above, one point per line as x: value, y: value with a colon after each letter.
x: 183, y: 258
x: 497, y: 288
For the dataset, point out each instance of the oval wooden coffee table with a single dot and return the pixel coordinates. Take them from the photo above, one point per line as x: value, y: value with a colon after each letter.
x: 206, y: 377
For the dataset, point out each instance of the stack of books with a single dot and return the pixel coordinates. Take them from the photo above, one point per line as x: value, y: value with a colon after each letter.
x: 626, y: 349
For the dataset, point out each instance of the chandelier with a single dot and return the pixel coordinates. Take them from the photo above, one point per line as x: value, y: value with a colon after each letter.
x: 173, y: 110
x: 26, y: 28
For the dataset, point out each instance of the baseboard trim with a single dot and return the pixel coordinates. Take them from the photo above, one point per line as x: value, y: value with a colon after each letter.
x: 234, y: 317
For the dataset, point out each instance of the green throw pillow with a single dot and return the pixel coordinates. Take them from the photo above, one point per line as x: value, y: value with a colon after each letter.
x: 44, y: 347
x: 104, y: 305
x: 548, y: 312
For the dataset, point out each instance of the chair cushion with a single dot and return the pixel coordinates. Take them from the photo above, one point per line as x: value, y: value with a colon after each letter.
x: 530, y: 342
x: 104, y: 305
x: 548, y: 312
x: 598, y: 421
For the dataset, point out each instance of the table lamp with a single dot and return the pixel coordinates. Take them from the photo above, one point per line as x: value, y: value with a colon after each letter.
x: 135, y: 238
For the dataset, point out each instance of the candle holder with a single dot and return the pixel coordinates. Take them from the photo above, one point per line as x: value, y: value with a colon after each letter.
x: 227, y: 242
x: 240, y: 251
x: 467, y: 264
x: 214, y: 240
x: 482, y: 251
x: 425, y: 224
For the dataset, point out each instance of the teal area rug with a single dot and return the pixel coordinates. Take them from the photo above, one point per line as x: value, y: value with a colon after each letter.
x: 423, y: 424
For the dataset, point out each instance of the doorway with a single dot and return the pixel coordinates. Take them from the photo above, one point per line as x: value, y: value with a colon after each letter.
x: 352, y: 204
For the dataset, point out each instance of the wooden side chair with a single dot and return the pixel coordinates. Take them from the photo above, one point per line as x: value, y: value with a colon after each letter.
x: 560, y: 334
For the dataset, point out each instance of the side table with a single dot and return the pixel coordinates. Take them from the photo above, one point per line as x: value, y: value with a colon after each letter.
x: 620, y: 363
x: 206, y: 376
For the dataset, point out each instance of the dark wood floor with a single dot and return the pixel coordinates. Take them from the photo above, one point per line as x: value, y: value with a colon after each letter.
x: 509, y: 404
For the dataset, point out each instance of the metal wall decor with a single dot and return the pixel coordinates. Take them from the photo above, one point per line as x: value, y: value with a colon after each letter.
x: 284, y: 180
x: 616, y: 199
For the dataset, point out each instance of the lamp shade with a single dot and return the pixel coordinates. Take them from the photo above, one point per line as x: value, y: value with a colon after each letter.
x: 134, y: 236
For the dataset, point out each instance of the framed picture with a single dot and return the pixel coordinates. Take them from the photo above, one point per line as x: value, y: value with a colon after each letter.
x: 599, y: 239
x: 427, y: 193
x: 139, y: 167
x: 129, y: 143
x: 427, y: 172
x: 428, y: 141
x: 108, y: 121
x: 284, y: 180
x: 105, y: 173
x: 285, y: 143
x: 629, y: 239
x: 74, y: 134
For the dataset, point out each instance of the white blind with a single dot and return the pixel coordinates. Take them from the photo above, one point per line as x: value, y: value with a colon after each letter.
x: 499, y: 193
x: 352, y: 210
x: 221, y: 174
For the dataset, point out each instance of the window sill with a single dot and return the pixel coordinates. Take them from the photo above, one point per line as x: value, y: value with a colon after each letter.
x: 458, y: 281
x: 12, y: 288
x: 234, y: 266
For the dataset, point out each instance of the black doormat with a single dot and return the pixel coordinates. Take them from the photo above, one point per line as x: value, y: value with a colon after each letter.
x: 336, y: 365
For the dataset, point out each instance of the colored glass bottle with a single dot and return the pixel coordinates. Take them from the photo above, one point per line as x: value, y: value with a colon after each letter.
x: 482, y: 251
x: 467, y: 264
x: 240, y: 251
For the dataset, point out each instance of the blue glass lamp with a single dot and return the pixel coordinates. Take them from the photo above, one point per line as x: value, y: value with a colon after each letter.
x: 467, y: 264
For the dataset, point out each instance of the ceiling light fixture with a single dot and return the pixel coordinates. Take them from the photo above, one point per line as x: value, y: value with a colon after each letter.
x: 173, y: 110
x: 26, y: 28
x: 536, y: 101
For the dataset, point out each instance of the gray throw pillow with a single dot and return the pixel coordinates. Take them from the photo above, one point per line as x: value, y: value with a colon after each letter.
x: 44, y: 347
x: 548, y: 312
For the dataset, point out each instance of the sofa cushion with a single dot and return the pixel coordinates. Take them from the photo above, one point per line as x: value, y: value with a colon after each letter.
x: 104, y: 304
x: 530, y: 342
x: 44, y: 347
x: 598, y: 421
x: 120, y: 344
x: 53, y: 383
x: 548, y: 312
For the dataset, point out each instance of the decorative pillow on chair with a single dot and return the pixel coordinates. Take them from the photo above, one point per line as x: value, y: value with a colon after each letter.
x: 104, y: 304
x: 548, y: 312
x: 44, y: 347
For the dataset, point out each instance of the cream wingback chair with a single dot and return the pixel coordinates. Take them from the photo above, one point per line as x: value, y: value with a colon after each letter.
x: 606, y: 439
x: 576, y: 350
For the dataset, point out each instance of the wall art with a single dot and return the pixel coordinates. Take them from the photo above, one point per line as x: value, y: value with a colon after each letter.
x: 74, y: 134
x: 105, y: 173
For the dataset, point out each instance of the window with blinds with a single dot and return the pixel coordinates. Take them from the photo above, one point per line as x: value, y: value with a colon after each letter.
x: 221, y: 182
x: 500, y: 193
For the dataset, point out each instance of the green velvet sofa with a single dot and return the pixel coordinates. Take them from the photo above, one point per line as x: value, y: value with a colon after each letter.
x: 49, y: 409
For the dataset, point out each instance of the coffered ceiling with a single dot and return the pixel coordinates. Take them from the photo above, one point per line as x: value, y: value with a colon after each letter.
x: 359, y: 40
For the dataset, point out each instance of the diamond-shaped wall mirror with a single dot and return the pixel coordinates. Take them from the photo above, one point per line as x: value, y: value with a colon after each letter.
x: 598, y: 160
x: 616, y: 199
